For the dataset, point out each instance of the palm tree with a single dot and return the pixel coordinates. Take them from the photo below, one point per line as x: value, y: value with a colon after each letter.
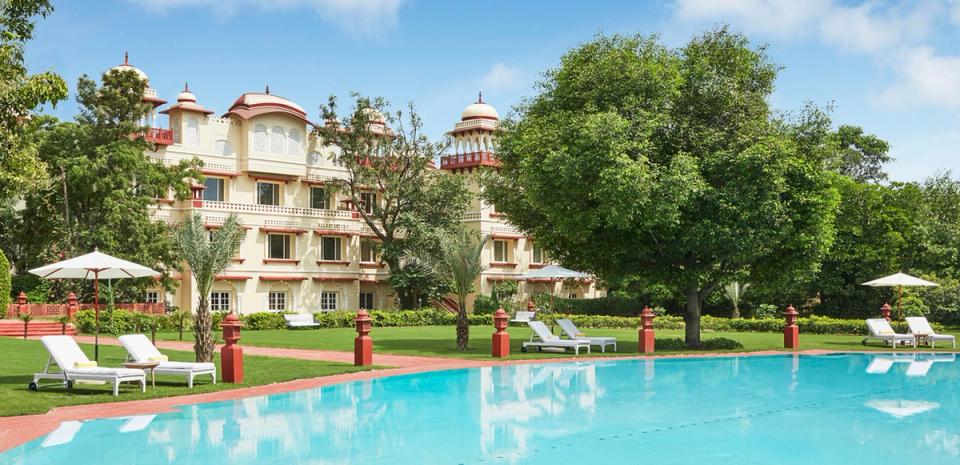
x: 734, y: 293
x: 460, y: 264
x: 207, y: 255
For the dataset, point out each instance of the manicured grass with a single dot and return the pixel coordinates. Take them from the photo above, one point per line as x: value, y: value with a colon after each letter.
x: 438, y: 341
x: 21, y: 358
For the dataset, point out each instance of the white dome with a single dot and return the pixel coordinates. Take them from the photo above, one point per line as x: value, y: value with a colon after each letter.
x: 479, y: 110
x: 186, y: 95
x: 126, y: 66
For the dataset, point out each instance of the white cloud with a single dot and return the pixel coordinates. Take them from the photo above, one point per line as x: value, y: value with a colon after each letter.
x: 893, y: 35
x: 777, y: 18
x: 355, y: 17
x: 501, y: 77
x: 923, y: 78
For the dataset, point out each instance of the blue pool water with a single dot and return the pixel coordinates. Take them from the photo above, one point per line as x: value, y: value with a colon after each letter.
x: 835, y: 409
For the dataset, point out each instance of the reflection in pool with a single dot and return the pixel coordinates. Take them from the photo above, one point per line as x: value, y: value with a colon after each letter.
x: 835, y: 409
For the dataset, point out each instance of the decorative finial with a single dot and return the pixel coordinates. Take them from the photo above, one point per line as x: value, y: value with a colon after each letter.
x: 480, y: 97
x: 186, y: 87
x: 126, y: 58
x: 268, y: 88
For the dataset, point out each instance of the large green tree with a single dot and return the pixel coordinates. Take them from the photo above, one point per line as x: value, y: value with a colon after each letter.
x: 20, y: 94
x: 634, y: 159
x: 859, y: 156
x: 104, y: 185
x: 387, y: 155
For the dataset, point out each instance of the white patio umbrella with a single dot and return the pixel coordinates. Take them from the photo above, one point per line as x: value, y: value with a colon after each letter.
x: 96, y: 266
x: 899, y: 280
x: 553, y: 273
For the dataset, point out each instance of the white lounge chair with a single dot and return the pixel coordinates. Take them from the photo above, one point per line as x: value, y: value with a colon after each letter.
x: 140, y: 349
x: 523, y: 317
x: 542, y: 337
x: 919, y: 326
x: 880, y: 329
x: 75, y: 366
x: 301, y: 320
x: 574, y: 333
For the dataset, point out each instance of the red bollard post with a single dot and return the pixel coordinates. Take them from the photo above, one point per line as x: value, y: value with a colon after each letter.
x: 885, y: 311
x: 646, y: 345
x: 530, y: 306
x: 501, y: 339
x: 231, y: 354
x: 791, y: 332
x: 71, y: 305
x: 363, y: 344
x: 21, y: 304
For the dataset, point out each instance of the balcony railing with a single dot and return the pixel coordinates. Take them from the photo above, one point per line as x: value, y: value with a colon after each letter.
x: 275, y: 209
x: 468, y: 160
x: 158, y: 136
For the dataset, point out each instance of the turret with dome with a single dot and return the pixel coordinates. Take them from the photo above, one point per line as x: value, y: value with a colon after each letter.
x: 153, y: 133
x: 473, y: 138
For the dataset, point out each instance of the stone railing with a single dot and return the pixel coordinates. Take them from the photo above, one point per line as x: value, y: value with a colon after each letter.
x: 276, y: 210
x: 468, y: 160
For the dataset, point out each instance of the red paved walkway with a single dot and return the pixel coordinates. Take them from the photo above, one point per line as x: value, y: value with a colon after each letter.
x: 20, y: 429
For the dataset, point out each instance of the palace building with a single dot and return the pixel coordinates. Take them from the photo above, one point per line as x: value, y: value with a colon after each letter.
x: 306, y: 248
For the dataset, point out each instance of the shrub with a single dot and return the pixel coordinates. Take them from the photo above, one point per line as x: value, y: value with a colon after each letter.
x: 717, y: 343
x: 766, y: 311
x: 485, y: 305
x: 5, y: 284
x: 943, y: 302
x: 120, y: 322
x: 263, y: 320
x: 610, y: 305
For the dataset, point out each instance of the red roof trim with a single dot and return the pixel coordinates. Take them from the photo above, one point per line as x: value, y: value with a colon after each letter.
x: 334, y: 278
x: 333, y: 232
x: 271, y: 229
x: 267, y: 177
x: 232, y: 277
x: 282, y: 278
x: 210, y: 172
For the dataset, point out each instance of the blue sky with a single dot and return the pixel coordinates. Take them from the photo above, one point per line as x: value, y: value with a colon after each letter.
x: 891, y: 67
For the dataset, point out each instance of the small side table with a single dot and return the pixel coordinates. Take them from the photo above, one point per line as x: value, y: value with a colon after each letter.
x: 146, y: 366
x: 919, y: 337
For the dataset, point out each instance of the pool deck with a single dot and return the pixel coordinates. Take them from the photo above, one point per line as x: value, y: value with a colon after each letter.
x: 17, y: 430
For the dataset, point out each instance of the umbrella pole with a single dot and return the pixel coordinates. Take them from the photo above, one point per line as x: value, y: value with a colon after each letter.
x: 96, y: 315
x: 900, y: 301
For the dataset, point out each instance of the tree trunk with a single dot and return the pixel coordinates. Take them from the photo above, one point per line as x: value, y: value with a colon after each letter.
x: 692, y: 318
x: 736, y: 311
x: 463, y: 326
x: 203, y: 333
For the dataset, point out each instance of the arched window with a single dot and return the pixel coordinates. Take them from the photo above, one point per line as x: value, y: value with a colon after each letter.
x: 223, y: 147
x: 294, y: 143
x: 260, y: 138
x: 192, y: 134
x: 314, y: 158
x: 277, y: 140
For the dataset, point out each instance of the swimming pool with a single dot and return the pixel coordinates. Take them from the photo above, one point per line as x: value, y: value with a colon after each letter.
x: 833, y: 409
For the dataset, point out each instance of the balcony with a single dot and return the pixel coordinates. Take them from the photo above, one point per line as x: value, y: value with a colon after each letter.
x: 468, y: 160
x: 158, y: 136
x: 275, y: 210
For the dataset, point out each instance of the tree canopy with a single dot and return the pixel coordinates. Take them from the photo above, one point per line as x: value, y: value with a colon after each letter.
x: 634, y: 159
x: 103, y: 185
x: 20, y: 94
x: 386, y: 154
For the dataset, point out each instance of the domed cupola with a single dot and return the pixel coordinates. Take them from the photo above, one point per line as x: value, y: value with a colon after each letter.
x: 186, y: 101
x: 473, y: 138
x: 479, y: 110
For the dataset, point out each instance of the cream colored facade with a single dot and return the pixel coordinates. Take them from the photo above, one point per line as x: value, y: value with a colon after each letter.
x: 306, y: 249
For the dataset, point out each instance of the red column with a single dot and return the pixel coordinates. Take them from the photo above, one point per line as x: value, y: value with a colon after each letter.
x: 231, y: 354
x: 530, y: 306
x: 885, y: 311
x: 791, y: 332
x: 363, y: 344
x: 646, y: 345
x: 71, y: 305
x: 501, y: 339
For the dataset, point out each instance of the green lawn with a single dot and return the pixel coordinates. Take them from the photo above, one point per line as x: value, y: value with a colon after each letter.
x: 22, y: 358
x: 438, y: 341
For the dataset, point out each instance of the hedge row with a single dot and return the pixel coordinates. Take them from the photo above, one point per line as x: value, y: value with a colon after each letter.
x: 126, y: 322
